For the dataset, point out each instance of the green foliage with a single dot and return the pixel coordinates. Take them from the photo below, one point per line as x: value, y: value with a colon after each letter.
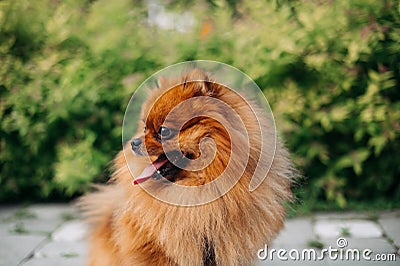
x: 62, y: 93
x: 330, y: 70
x: 339, y: 102
x: 315, y: 243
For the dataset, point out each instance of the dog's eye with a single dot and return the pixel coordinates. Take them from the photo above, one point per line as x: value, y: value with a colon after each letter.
x: 144, y: 130
x: 165, y: 133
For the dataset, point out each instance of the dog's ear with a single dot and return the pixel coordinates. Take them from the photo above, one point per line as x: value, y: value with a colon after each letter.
x: 163, y: 82
x: 199, y: 81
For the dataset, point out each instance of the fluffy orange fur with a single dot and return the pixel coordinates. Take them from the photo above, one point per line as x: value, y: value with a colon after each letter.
x: 131, y: 227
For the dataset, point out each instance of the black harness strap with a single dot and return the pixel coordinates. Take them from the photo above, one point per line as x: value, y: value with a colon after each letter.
x: 208, y: 254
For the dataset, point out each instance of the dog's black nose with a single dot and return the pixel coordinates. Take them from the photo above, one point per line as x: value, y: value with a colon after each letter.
x: 135, y: 143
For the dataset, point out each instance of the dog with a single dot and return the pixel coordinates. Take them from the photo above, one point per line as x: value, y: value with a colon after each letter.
x: 159, y: 210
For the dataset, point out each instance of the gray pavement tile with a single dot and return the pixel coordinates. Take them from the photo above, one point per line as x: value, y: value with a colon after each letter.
x: 52, y: 211
x: 67, y: 246
x: 341, y: 215
x: 277, y: 262
x: 37, y: 219
x: 296, y: 234
x: 356, y: 228
x: 13, y: 249
x: 7, y: 229
x: 364, y: 263
x: 390, y: 214
x: 71, y: 231
x: 7, y: 211
x: 391, y: 227
x: 9, y: 221
x: 39, y: 226
x: 32, y: 226
x: 61, y: 249
x: 52, y: 214
x: 56, y: 261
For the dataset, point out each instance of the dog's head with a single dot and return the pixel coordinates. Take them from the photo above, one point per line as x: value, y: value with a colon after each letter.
x: 184, y: 130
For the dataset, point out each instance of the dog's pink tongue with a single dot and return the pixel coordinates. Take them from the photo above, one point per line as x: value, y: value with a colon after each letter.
x: 149, y: 171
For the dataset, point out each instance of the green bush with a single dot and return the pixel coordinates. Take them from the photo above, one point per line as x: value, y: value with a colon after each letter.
x: 336, y: 88
x: 66, y: 77
x: 329, y: 70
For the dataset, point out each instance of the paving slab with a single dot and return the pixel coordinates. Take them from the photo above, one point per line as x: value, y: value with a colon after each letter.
x: 390, y: 214
x: 8, y: 229
x: 71, y: 231
x: 9, y: 221
x: 62, y: 249
x: 296, y: 234
x: 56, y: 261
x: 55, y: 211
x: 291, y: 263
x: 53, y: 234
x: 363, y: 263
x: 7, y: 211
x: 38, y: 226
x: 354, y: 228
x: 36, y: 220
x: 13, y: 249
x: 391, y: 227
x: 342, y: 215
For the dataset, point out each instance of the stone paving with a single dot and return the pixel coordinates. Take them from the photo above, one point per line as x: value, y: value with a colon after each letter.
x: 52, y: 234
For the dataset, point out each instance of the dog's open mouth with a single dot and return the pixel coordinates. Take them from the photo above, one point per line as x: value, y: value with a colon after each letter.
x: 163, y: 167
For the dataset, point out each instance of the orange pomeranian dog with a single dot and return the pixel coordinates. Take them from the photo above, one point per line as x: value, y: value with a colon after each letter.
x: 198, y: 147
